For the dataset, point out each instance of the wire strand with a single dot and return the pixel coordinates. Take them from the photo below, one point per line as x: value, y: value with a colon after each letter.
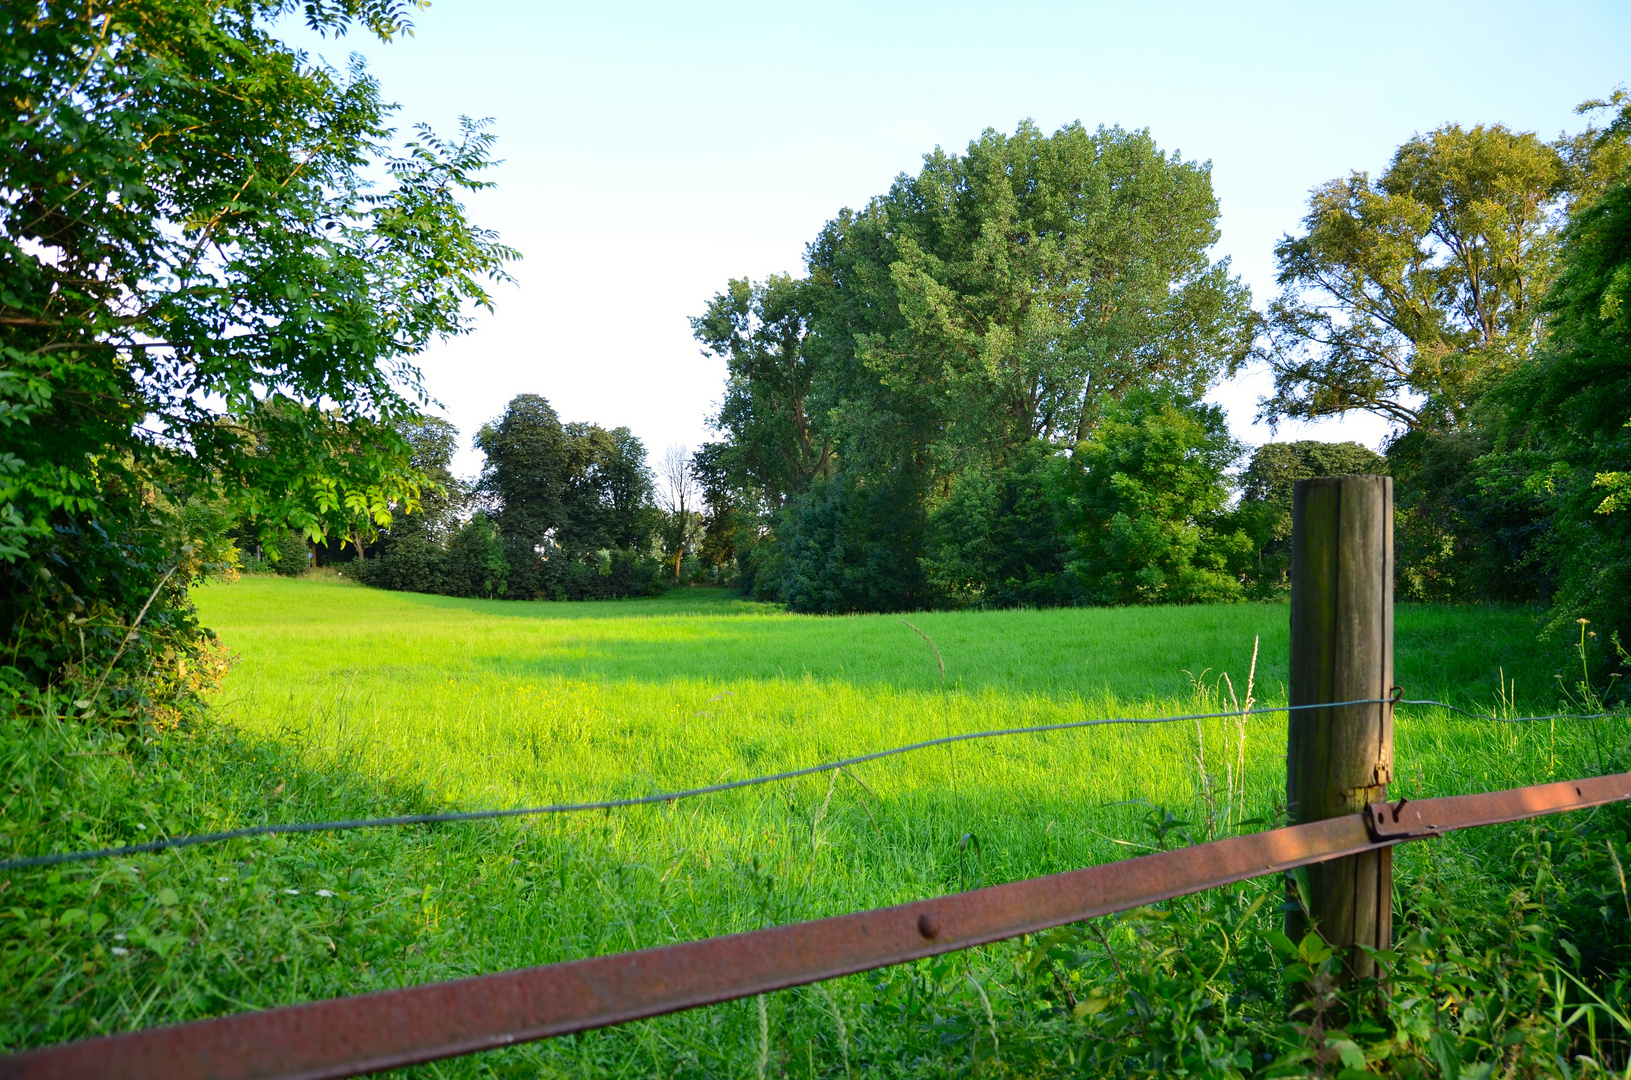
x: 58, y: 858
x: 1510, y: 719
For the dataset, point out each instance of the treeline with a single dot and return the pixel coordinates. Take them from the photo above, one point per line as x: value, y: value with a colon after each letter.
x: 559, y: 512
x: 987, y: 386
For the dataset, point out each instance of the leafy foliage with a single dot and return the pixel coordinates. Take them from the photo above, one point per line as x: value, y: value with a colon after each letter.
x: 1576, y: 403
x: 1265, y: 497
x: 1001, y: 537
x: 1408, y: 296
x: 205, y: 302
x: 1151, y: 505
x: 763, y: 334
x: 991, y: 304
x: 561, y: 511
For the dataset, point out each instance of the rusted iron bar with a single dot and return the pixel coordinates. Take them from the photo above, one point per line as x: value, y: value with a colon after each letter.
x: 1407, y: 819
x: 355, y: 1035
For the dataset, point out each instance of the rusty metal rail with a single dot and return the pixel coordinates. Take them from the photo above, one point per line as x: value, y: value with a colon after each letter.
x: 355, y: 1035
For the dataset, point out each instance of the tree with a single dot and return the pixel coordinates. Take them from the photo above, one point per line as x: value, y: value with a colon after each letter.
x: 565, y: 497
x: 412, y: 553
x: 432, y: 442
x: 1574, y: 406
x: 1412, y: 297
x: 525, y: 474
x: 607, y: 491
x: 997, y: 299
x: 678, y: 495
x: 762, y: 332
x: 998, y: 296
x: 1265, y: 496
x: 1149, y: 514
x: 205, y: 297
x: 722, y: 518
x: 1409, y: 296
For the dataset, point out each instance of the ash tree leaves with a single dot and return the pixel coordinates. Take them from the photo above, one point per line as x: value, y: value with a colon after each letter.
x: 1573, y: 407
x: 204, y: 296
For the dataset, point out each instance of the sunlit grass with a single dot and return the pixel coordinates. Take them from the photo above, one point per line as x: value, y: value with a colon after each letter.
x: 499, y: 704
x: 349, y: 702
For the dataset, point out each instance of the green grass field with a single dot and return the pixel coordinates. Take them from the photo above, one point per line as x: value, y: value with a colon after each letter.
x: 498, y: 704
x: 348, y: 701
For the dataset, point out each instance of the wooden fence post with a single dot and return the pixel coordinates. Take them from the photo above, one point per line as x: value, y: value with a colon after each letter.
x: 1338, y: 760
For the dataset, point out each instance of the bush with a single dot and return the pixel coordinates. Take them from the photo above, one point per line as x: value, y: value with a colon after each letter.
x: 999, y: 537
x: 409, y: 563
x: 1150, y: 509
x: 850, y: 544
x: 475, y: 564
x: 293, y: 553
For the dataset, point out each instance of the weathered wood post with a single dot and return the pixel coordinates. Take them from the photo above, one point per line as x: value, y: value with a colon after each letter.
x: 1340, y: 759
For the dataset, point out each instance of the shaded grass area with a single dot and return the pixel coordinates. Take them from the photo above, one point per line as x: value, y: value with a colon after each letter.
x: 350, y: 702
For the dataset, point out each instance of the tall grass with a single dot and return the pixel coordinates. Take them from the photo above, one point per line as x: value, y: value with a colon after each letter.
x: 348, y: 701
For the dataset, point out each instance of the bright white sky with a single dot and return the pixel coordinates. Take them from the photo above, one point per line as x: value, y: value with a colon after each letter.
x: 653, y: 151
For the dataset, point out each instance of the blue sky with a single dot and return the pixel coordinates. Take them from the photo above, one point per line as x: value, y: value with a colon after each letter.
x: 652, y: 151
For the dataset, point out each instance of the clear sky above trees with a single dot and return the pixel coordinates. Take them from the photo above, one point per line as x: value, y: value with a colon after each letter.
x: 653, y: 152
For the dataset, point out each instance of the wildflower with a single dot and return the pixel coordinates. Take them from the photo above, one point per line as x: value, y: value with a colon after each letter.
x: 292, y: 892
x: 324, y: 892
x: 117, y: 951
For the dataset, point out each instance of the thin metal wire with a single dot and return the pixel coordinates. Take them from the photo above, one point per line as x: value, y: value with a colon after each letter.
x: 671, y: 796
x: 1513, y: 719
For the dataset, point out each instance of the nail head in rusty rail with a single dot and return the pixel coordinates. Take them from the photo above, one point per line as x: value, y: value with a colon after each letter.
x: 354, y: 1035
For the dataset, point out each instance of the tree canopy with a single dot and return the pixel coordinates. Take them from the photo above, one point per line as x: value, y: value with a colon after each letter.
x: 997, y: 300
x: 1409, y: 295
x: 219, y: 263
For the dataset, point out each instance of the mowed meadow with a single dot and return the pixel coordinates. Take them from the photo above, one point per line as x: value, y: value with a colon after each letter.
x: 348, y: 702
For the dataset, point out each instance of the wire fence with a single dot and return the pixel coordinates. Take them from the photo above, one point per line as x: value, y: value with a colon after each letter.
x: 365, y: 1033
x: 280, y: 828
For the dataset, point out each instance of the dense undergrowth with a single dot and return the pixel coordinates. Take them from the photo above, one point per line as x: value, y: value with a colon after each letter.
x: 1512, y: 951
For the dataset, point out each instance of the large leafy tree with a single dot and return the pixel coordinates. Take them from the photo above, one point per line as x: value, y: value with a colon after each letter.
x: 1575, y: 406
x: 607, y: 498
x: 1410, y: 294
x: 205, y: 297
x: 1000, y: 295
x: 776, y: 448
x: 993, y: 302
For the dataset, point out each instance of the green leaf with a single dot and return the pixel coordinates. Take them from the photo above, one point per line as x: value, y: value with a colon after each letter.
x: 1097, y: 1000
x: 168, y: 898
x: 1446, y: 1052
x: 1313, y: 950
x: 1348, y: 1050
